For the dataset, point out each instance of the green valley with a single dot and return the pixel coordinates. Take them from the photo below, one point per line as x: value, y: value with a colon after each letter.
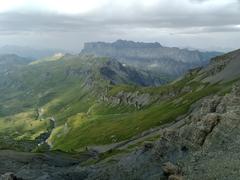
x: 93, y: 101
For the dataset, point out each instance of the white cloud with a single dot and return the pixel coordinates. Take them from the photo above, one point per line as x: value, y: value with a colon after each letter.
x: 9, y: 5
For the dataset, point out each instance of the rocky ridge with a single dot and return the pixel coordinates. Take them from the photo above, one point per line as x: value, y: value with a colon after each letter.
x: 195, y: 144
x: 151, y: 56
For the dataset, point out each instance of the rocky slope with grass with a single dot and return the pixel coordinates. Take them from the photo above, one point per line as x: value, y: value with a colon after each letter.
x: 34, y: 93
x: 203, y: 144
x: 187, y: 129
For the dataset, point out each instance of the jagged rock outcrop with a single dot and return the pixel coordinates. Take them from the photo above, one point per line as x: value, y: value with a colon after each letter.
x: 141, y: 99
x: 135, y: 99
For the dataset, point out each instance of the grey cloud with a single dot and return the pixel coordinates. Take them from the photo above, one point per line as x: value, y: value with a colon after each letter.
x: 15, y: 22
x: 217, y: 29
x: 175, y: 18
x: 107, y: 23
x: 18, y: 22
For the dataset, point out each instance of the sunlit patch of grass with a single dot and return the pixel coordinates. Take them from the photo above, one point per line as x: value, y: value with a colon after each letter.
x: 23, y: 126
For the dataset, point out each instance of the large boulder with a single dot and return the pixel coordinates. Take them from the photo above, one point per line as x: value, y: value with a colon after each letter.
x: 9, y: 176
x: 170, y: 169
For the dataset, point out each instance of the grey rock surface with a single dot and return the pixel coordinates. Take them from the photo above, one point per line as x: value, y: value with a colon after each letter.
x: 204, y: 145
x: 222, y: 69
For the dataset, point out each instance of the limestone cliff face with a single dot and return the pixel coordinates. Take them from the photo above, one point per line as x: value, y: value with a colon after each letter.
x: 151, y: 56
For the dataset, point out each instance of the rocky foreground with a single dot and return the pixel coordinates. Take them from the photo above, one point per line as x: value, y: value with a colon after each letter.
x: 202, y: 145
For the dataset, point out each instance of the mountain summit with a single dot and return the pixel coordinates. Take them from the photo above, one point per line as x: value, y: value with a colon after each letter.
x: 121, y: 44
x: 151, y: 56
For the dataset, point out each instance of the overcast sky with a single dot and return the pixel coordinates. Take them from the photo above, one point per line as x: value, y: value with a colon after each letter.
x: 202, y: 24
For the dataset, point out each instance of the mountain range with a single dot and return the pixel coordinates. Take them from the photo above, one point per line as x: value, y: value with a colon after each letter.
x: 93, y: 116
x: 150, y: 56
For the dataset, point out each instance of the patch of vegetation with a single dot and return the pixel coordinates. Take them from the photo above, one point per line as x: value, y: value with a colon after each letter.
x: 23, y: 126
x: 69, y: 90
x: 114, y: 90
x: 98, y: 128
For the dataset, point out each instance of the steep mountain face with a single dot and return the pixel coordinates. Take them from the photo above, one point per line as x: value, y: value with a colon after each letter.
x: 153, y: 56
x: 39, y: 77
x: 187, y: 129
x: 222, y: 69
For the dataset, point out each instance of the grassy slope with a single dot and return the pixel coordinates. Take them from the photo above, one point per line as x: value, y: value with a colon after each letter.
x: 35, y: 86
x: 81, y: 119
x: 57, y: 87
x: 107, y: 124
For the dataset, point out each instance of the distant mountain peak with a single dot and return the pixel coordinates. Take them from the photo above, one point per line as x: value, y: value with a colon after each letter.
x: 122, y: 44
x: 132, y: 44
x: 150, y: 56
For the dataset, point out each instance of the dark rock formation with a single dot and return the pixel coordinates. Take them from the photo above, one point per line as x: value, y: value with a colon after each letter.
x: 132, y: 98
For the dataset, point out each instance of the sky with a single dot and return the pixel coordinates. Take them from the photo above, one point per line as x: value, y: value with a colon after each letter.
x: 67, y: 24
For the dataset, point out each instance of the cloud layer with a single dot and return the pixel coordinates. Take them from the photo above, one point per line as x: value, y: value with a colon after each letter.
x: 67, y: 24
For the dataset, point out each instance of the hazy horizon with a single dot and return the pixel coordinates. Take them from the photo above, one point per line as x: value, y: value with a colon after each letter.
x: 76, y: 51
